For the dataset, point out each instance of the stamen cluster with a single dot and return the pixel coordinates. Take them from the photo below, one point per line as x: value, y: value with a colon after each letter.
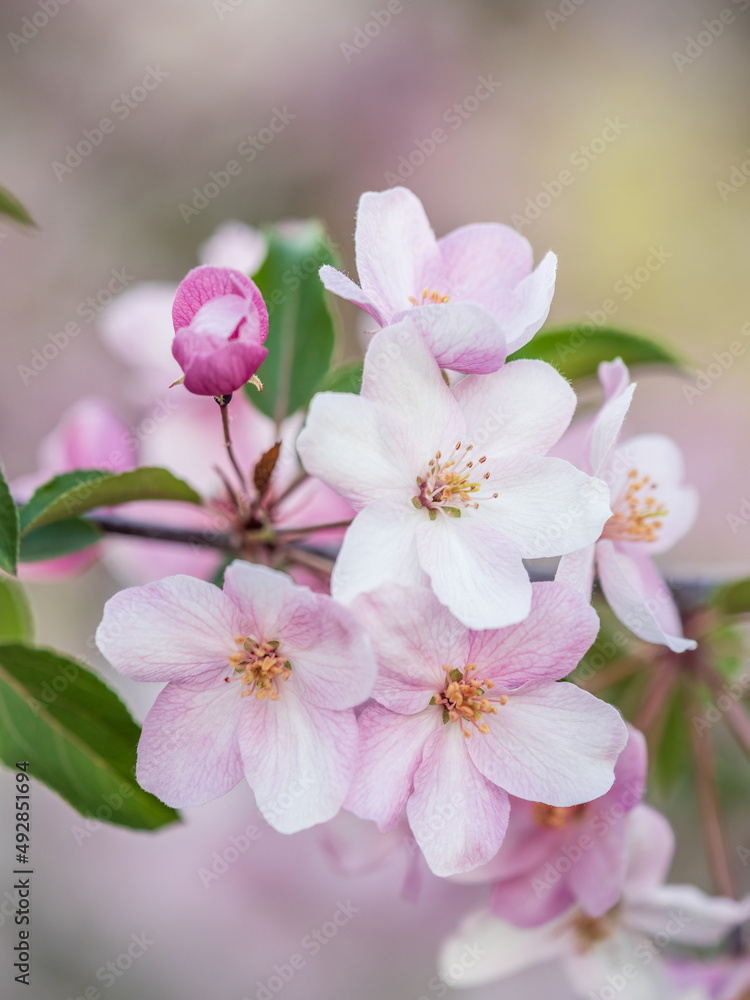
x: 260, y: 667
x: 463, y: 699
x: 449, y: 483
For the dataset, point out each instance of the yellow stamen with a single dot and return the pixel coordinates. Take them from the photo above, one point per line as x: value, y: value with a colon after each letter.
x: 463, y: 701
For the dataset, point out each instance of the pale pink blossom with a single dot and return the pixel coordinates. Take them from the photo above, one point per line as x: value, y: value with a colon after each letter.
x: 474, y: 294
x: 554, y: 857
x: 463, y: 718
x: 725, y: 978
x: 235, y: 245
x: 621, y: 951
x: 261, y: 681
x: 220, y: 322
x: 452, y: 485
x: 651, y: 510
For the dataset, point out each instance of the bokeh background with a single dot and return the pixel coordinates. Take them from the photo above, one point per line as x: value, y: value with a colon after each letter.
x: 668, y: 180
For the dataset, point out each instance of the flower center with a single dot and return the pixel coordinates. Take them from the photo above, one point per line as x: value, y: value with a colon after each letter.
x: 429, y: 297
x: 557, y: 817
x: 260, y: 667
x: 453, y: 483
x: 638, y: 512
x: 590, y: 931
x: 463, y: 701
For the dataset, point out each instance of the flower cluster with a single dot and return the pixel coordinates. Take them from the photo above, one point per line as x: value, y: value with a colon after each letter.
x: 379, y: 641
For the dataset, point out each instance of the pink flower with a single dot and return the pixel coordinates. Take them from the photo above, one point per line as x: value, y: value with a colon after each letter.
x: 649, y: 918
x: 725, y: 978
x: 552, y: 858
x: 451, y: 485
x: 651, y: 510
x: 90, y: 435
x: 476, y: 294
x: 464, y: 718
x: 261, y: 680
x: 220, y: 323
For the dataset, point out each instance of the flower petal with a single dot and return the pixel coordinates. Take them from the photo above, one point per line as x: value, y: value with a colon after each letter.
x: 687, y: 914
x: 188, y: 752
x: 546, y: 645
x: 576, y: 569
x: 523, y: 310
x: 340, y: 284
x: 179, y: 629
x: 390, y: 751
x: 413, y: 636
x: 522, y: 409
x: 485, y: 949
x: 651, y: 845
x: 546, y: 506
x: 332, y: 665
x: 395, y: 244
x: 606, y: 428
x: 551, y: 743
x: 474, y: 570
x: 462, y: 336
x: 483, y: 257
x: 379, y: 547
x: 639, y: 597
x: 298, y: 759
x: 458, y: 818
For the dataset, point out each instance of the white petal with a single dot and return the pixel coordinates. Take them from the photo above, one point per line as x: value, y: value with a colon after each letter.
x: 522, y: 409
x: 607, y: 426
x: 576, y: 569
x: 339, y: 284
x: 475, y: 571
x: 686, y: 915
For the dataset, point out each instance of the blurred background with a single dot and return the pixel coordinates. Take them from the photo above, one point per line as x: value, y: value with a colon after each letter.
x: 644, y: 108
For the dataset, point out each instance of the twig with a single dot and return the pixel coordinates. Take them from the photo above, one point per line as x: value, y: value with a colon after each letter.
x: 226, y: 541
x: 223, y: 402
x: 737, y: 721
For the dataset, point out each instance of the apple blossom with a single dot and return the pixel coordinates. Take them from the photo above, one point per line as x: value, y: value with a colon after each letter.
x: 652, y: 510
x: 621, y: 948
x: 476, y: 294
x: 261, y: 680
x: 451, y: 484
x: 552, y: 858
x: 462, y: 718
x: 220, y: 322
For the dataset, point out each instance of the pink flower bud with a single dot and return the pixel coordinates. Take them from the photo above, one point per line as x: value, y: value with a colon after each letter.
x: 220, y: 322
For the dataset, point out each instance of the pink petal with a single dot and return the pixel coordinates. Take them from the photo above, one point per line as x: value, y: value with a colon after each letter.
x: 639, y: 597
x: 458, y: 818
x: 545, y: 506
x: 698, y: 919
x: 523, y: 310
x: 188, y: 752
x: 462, y: 336
x: 90, y: 435
x: 180, y: 629
x: 205, y: 283
x: 332, y: 665
x: 614, y: 377
x: 235, y: 245
x: 298, y: 759
x: 216, y: 369
x: 390, y: 751
x: 395, y: 246
x: 339, y: 284
x: 531, y: 900
x: 474, y: 570
x: 220, y: 317
x: 576, y: 570
x: 413, y: 636
x: 651, y: 845
x: 520, y: 410
x: 551, y: 743
x: 546, y: 645
x: 379, y: 547
x: 606, y: 429
x: 483, y: 257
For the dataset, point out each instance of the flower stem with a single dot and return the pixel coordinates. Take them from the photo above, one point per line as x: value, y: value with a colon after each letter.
x: 734, y: 716
x: 223, y: 402
x: 309, y: 530
x: 709, y: 808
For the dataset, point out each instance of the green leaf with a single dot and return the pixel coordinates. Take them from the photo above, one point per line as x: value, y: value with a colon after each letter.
x: 9, y: 528
x: 577, y: 350
x: 12, y: 207
x: 74, y: 493
x: 16, y: 621
x: 59, y: 539
x: 77, y: 735
x: 301, y: 332
x: 344, y: 378
x: 733, y: 598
